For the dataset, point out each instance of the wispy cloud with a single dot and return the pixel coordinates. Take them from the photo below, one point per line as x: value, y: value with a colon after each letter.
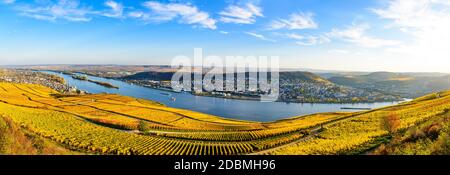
x: 246, y: 14
x: 116, y: 10
x: 305, y: 40
x: 69, y: 10
x: 224, y: 32
x: 294, y: 36
x: 187, y: 14
x: 136, y: 14
x: 426, y: 21
x: 72, y: 10
x: 259, y: 36
x: 296, y: 21
x: 356, y: 34
x: 313, y: 40
x: 8, y: 1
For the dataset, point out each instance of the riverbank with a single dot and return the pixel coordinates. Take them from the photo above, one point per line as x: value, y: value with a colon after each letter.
x: 165, y: 86
x: 229, y: 108
x: 231, y: 95
x: 104, y: 84
x: 84, y: 78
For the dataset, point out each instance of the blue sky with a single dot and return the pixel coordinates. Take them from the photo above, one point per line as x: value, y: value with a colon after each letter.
x: 361, y: 35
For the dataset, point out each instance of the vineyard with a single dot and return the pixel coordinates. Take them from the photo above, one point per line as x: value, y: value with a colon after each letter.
x: 365, y: 131
x: 114, y: 124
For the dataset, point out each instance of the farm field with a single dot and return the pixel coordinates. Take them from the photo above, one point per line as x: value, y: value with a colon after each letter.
x: 119, y: 125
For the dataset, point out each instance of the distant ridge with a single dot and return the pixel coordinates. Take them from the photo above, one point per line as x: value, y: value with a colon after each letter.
x: 409, y: 85
x: 294, y: 75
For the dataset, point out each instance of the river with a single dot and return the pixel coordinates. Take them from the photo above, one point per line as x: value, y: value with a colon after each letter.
x: 228, y: 108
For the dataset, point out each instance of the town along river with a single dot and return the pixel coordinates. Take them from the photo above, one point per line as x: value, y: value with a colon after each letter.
x: 228, y: 108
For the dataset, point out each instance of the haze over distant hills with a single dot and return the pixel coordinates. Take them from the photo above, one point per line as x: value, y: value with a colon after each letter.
x: 408, y: 85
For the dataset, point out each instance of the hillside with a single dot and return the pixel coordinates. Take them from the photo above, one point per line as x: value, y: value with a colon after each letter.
x: 407, y: 85
x: 303, y: 76
x: 389, y: 130
x: 299, y: 87
x: 167, y: 76
x: 113, y: 124
x: 155, y: 76
x: 15, y: 140
x: 370, y: 78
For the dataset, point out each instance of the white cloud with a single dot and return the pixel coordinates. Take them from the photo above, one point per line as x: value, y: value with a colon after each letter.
x: 224, y: 32
x: 259, y: 36
x: 136, y: 14
x: 116, y: 9
x: 296, y: 21
x: 8, y: 1
x: 72, y: 10
x: 313, y: 40
x: 428, y: 24
x: 241, y: 14
x: 187, y: 13
x: 356, y: 34
x: 294, y: 36
x: 306, y: 40
x: 69, y: 10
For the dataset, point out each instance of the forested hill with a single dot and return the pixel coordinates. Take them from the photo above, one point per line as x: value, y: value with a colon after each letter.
x: 167, y: 76
x: 156, y: 76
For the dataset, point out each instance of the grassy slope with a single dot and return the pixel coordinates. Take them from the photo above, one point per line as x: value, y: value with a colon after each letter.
x: 103, y: 123
x: 365, y: 131
x: 431, y: 136
x: 15, y: 140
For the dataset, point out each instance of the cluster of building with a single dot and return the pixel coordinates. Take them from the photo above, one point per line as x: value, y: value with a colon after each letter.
x: 166, y: 85
x: 292, y: 91
x: 29, y: 77
x: 108, y: 74
x: 328, y: 93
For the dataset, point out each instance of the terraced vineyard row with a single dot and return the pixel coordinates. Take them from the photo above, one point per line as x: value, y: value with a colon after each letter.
x: 101, y: 124
x: 234, y: 135
x: 87, y: 136
x: 113, y: 124
x: 159, y: 114
x: 77, y: 133
x: 362, y: 132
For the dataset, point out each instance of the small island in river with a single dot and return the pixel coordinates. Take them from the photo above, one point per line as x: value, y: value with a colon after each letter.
x: 104, y: 84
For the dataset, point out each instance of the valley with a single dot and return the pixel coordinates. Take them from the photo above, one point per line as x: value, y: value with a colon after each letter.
x: 295, y: 86
x: 406, y: 85
x: 115, y: 124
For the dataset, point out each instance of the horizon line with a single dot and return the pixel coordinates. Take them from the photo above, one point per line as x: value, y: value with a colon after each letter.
x: 315, y: 70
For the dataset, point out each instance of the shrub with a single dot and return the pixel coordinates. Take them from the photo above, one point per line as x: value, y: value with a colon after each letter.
x: 442, y: 145
x: 433, y: 131
x: 382, y: 150
x: 391, y: 123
